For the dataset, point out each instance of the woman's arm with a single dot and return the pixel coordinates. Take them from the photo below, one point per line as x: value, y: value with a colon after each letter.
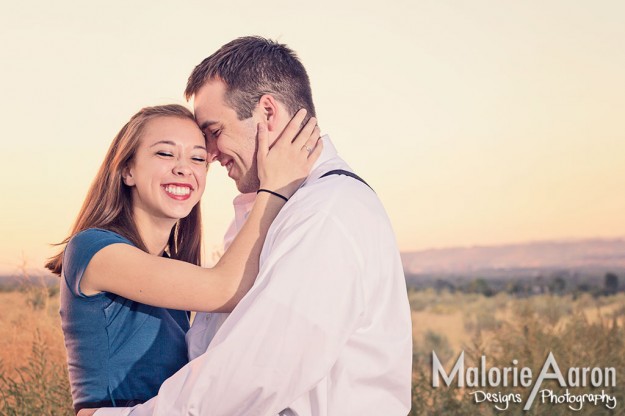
x: 134, y: 274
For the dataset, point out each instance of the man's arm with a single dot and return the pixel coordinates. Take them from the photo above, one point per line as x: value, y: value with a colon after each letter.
x: 145, y: 409
x: 285, y: 335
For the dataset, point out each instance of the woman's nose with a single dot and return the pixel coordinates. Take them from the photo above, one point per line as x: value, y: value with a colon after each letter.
x: 182, y: 167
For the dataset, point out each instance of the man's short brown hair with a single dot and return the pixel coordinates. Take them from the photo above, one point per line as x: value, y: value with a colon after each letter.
x: 251, y: 67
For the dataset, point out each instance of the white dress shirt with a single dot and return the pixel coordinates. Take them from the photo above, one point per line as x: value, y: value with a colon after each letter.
x: 326, y: 328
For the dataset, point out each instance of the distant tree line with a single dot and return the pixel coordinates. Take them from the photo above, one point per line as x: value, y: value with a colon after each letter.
x: 559, y: 284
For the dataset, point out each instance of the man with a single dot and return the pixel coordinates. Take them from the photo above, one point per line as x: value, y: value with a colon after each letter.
x: 326, y: 328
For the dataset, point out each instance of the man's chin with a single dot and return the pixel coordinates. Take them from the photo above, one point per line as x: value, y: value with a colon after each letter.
x: 241, y: 187
x: 246, y: 184
x: 246, y: 188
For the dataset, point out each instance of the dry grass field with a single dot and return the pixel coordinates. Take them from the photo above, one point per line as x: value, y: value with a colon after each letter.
x: 33, y: 378
x: 584, y: 332
x: 460, y: 317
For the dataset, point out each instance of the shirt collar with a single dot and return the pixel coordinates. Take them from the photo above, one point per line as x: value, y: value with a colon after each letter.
x: 329, y: 152
x: 244, y: 199
x: 328, y: 160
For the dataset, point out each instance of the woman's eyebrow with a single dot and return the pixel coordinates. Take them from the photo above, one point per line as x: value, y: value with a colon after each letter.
x: 169, y: 142
x: 163, y: 142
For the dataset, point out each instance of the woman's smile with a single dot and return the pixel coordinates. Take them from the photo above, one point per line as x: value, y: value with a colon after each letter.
x: 178, y: 191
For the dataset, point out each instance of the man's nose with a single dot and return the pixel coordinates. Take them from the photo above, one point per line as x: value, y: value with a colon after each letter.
x: 212, y: 150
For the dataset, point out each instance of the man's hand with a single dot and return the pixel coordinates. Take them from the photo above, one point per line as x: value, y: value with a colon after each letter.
x: 86, y: 412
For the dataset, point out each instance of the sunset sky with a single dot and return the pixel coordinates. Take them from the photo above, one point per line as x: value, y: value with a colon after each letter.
x: 476, y: 122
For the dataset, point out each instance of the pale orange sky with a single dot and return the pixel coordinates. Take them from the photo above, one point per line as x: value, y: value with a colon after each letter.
x: 476, y: 122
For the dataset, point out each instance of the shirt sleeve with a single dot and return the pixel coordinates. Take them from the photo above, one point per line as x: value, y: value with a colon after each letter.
x: 145, y: 409
x: 79, y: 252
x: 283, y: 337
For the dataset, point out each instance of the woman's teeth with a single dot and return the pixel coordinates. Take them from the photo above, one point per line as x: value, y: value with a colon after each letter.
x: 178, y: 190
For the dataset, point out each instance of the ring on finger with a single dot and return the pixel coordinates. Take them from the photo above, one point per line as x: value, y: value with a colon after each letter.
x: 308, y: 148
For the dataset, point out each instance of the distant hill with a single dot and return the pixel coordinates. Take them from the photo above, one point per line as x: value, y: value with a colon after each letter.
x: 28, y: 277
x: 518, y: 259
x: 591, y: 257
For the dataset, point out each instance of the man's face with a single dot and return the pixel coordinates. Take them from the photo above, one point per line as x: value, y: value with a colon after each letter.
x: 230, y: 141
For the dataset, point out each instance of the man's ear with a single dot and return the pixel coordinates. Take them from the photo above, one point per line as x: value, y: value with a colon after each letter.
x: 127, y: 177
x: 271, y: 111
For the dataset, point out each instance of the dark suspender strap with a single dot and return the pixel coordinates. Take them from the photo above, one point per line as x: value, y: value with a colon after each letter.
x: 346, y: 173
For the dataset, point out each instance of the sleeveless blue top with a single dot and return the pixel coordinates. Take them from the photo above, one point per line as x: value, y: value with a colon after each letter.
x: 118, y: 350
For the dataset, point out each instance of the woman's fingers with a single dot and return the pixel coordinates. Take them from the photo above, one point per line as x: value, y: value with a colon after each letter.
x: 305, y: 134
x: 291, y: 129
x: 316, y: 151
x: 312, y: 136
x: 263, y: 142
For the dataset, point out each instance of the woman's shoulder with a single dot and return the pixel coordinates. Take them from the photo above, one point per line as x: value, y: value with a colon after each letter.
x: 84, y: 244
x: 97, y: 234
x: 80, y: 250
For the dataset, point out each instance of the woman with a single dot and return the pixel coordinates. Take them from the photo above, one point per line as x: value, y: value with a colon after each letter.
x: 143, y: 207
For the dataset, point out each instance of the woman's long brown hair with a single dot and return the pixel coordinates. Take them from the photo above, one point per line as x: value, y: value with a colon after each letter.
x: 108, y: 204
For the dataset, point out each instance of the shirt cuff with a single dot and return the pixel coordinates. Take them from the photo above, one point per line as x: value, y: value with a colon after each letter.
x: 113, y: 411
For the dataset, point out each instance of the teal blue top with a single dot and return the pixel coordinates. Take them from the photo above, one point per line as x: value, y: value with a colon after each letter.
x: 118, y: 350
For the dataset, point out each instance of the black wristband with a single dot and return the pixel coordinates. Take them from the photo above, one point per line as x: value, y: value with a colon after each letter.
x: 273, y: 193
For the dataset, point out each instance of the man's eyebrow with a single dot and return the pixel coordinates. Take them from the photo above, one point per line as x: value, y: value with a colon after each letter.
x: 206, y: 124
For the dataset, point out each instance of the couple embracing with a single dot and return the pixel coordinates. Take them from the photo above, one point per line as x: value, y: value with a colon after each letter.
x: 306, y: 313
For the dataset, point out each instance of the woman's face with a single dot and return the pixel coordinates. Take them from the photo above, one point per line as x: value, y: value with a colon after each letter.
x: 168, y: 171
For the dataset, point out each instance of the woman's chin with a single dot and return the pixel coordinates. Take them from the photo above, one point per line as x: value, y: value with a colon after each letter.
x: 179, y: 214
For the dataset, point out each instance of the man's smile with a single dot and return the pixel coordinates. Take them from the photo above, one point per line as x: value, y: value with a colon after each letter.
x: 228, y: 164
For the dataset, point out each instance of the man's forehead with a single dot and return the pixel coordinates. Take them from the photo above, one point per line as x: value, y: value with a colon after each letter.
x: 205, y: 116
x: 212, y: 91
x: 208, y: 104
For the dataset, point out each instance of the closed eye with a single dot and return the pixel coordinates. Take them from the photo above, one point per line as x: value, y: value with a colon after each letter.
x: 214, y: 133
x: 165, y: 154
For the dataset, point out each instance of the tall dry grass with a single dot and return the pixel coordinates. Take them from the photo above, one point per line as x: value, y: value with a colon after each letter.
x: 33, y: 376
x: 583, y: 331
